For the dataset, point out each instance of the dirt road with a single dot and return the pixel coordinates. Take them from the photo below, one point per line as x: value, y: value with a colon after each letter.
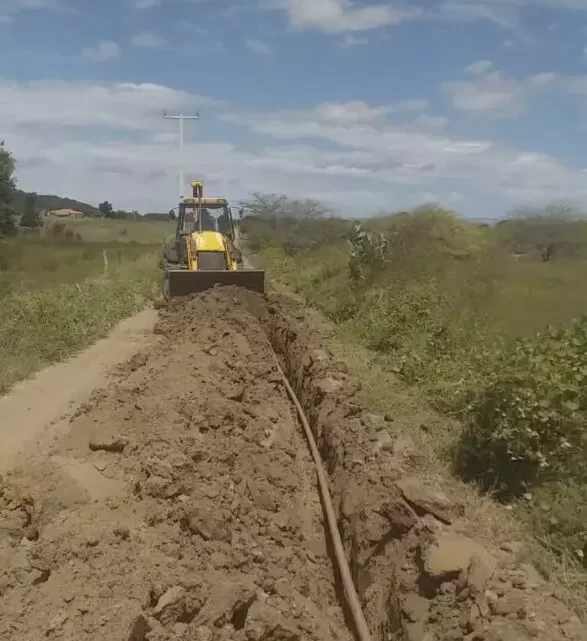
x: 180, y: 503
x: 31, y: 415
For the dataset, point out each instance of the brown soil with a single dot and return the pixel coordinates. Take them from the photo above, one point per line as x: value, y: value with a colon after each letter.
x: 31, y: 416
x: 182, y: 504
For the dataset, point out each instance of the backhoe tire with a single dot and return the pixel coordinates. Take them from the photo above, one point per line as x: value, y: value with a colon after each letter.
x: 171, y: 255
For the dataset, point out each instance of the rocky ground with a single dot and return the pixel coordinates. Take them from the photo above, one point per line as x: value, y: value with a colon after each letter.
x: 183, y: 505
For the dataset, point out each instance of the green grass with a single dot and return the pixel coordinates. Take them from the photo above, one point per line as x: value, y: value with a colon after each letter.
x: 34, y: 264
x: 444, y: 305
x: 106, y: 230
x: 58, y: 296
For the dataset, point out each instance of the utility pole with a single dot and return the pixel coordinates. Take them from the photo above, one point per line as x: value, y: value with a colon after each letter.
x: 181, y: 118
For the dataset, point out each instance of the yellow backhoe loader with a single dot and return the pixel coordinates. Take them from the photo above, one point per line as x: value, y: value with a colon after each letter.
x: 204, y: 252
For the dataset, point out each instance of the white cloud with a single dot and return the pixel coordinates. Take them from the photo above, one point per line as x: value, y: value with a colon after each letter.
x: 501, y: 14
x: 148, y: 40
x: 259, y: 47
x: 480, y: 67
x: 405, y: 156
x: 542, y: 79
x: 91, y: 141
x: 343, y: 15
x: 145, y: 4
x: 356, y: 111
x: 104, y: 51
x: 122, y: 106
x: 363, y: 15
x: 335, y: 16
x: 492, y: 93
x: 350, y: 41
x: 495, y: 96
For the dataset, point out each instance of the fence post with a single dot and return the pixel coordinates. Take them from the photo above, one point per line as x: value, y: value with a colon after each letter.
x: 105, y: 257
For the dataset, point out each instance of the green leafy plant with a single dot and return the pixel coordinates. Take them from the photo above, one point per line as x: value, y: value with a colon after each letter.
x: 528, y: 426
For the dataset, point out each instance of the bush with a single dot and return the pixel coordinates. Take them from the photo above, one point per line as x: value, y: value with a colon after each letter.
x: 528, y: 426
x: 420, y: 238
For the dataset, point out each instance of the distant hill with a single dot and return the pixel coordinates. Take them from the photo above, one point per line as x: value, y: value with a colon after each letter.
x: 50, y: 202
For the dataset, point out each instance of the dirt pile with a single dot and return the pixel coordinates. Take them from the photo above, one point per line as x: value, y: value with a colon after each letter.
x: 182, y: 505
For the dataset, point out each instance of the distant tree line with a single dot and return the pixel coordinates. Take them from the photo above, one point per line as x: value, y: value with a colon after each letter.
x: 158, y: 216
x: 297, y: 225
x: 50, y: 202
x: 107, y: 210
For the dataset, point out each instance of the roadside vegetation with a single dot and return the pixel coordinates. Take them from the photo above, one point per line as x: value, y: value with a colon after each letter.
x: 489, y: 321
x: 66, y: 282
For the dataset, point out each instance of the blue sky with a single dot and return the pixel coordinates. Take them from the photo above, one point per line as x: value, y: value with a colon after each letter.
x: 480, y: 105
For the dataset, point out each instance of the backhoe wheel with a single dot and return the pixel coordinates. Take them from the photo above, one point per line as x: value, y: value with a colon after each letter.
x: 171, y: 255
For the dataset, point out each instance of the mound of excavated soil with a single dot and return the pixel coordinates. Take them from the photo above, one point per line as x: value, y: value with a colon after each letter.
x: 182, y: 505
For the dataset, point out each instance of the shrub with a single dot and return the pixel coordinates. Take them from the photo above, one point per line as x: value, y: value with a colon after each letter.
x: 418, y: 238
x: 528, y: 426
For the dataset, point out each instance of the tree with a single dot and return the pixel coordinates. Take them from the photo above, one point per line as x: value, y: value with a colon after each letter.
x: 31, y: 217
x: 267, y: 206
x: 550, y: 232
x: 306, y: 209
x: 106, y: 209
x: 276, y: 207
x: 7, y: 186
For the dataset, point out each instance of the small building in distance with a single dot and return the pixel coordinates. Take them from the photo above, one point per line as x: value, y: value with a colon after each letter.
x: 66, y: 214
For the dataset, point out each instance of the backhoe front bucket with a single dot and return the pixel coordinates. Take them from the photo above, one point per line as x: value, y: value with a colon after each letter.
x: 183, y: 282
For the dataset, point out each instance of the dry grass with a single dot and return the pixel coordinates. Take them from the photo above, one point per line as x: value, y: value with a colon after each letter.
x: 105, y: 230
x: 58, y: 296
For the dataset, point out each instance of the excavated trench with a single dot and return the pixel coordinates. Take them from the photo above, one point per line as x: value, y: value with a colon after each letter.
x: 183, y: 506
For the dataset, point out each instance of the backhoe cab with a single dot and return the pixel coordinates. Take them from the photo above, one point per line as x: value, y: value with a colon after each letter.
x: 204, y: 252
